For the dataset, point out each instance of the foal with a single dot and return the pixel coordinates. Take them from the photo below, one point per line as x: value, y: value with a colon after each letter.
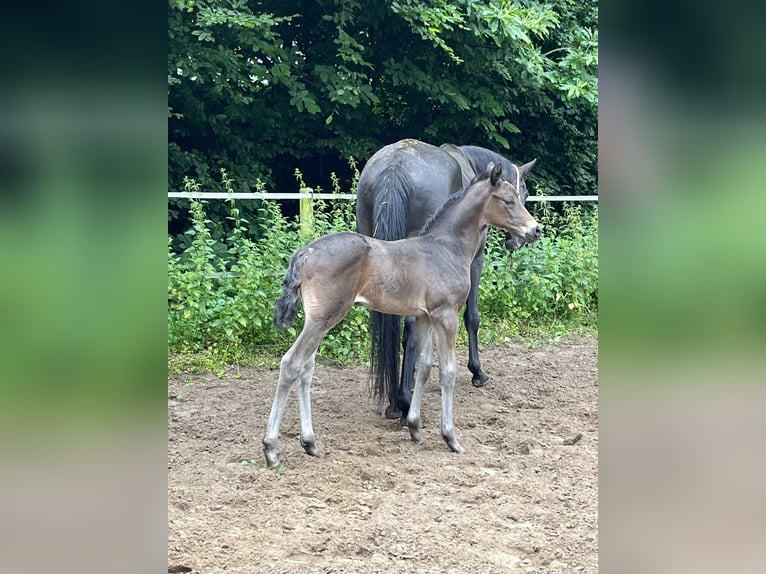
x: 427, y: 277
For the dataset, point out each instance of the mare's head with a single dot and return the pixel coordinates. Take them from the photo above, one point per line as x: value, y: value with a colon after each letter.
x: 516, y: 178
x: 505, y: 208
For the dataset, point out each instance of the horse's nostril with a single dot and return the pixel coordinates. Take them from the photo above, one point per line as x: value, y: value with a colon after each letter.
x: 538, y: 232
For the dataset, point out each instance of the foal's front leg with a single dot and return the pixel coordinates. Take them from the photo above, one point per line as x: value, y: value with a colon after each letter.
x: 445, y: 329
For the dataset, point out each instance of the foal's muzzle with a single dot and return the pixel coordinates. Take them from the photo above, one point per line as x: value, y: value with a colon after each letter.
x: 533, y: 234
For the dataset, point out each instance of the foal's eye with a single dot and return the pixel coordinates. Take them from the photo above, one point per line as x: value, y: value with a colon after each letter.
x: 509, y: 200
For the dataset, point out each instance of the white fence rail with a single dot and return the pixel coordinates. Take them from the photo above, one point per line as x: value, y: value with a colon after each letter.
x: 311, y: 195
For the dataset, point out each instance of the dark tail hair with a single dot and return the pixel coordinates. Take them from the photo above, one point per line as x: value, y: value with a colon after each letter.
x: 286, y: 307
x: 389, y: 224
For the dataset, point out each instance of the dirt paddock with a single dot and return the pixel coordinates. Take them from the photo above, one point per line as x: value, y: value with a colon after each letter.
x: 523, y: 497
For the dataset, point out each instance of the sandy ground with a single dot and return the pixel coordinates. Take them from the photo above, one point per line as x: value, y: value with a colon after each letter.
x: 522, y: 498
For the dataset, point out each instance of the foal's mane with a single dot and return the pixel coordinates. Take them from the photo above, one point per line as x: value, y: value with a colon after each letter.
x: 452, y: 200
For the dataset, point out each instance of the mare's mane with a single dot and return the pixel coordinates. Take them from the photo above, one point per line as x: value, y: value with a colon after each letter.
x: 452, y: 200
x: 479, y: 157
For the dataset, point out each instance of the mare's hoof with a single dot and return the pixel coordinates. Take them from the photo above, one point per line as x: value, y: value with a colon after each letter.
x: 393, y: 412
x: 479, y: 380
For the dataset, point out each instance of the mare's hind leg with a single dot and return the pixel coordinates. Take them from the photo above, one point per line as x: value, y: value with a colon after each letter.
x: 422, y: 372
x: 445, y: 327
x: 410, y: 356
x: 471, y: 319
x: 304, y: 406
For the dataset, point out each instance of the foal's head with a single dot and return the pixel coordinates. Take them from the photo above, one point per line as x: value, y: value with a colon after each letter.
x: 505, y: 208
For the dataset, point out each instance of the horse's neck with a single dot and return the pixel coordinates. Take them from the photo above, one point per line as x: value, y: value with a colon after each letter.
x: 478, y: 157
x: 467, y: 170
x: 461, y: 227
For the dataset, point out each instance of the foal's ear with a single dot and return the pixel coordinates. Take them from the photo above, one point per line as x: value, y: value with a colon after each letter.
x: 527, y: 167
x: 497, y: 171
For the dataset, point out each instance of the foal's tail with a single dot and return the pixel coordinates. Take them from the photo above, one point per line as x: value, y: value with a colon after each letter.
x: 286, y: 307
x: 389, y: 224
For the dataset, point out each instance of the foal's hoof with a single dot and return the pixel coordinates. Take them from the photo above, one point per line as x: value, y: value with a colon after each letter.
x: 312, y: 449
x: 455, y: 446
x: 271, y: 458
x: 414, y: 428
x: 479, y: 380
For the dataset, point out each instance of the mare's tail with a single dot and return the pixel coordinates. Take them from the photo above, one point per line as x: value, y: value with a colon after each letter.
x: 286, y: 307
x: 389, y: 224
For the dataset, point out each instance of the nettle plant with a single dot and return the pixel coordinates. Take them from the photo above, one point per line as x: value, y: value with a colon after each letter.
x: 222, y: 287
x: 551, y: 285
x: 221, y: 290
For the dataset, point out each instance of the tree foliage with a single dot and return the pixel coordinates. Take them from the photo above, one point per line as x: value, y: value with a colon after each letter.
x: 254, y: 86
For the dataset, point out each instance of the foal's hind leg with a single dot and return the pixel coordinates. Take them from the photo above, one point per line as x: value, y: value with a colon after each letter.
x: 304, y: 407
x: 410, y: 356
x: 292, y: 368
x: 471, y: 319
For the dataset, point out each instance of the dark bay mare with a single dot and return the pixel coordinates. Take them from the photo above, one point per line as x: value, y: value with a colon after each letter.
x: 401, y: 186
x: 427, y: 277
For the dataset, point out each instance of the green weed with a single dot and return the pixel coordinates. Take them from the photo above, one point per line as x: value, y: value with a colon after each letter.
x: 221, y: 290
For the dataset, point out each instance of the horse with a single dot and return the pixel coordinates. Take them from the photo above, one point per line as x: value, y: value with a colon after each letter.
x: 400, y: 187
x: 427, y: 276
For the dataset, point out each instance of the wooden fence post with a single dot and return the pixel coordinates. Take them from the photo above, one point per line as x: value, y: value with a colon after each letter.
x: 306, y: 214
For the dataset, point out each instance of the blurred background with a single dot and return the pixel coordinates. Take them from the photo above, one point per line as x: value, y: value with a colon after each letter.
x: 83, y: 160
x: 682, y: 326
x: 83, y: 167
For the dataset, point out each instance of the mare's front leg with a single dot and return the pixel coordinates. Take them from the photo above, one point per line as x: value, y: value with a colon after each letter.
x: 422, y: 372
x: 445, y: 328
x: 471, y: 319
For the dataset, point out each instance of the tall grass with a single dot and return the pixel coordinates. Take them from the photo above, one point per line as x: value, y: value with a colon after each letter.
x: 221, y: 290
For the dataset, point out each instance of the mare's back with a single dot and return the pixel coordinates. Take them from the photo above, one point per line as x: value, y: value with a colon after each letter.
x: 431, y: 173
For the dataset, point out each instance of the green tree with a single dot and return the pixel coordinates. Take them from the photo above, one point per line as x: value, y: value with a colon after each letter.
x: 254, y: 86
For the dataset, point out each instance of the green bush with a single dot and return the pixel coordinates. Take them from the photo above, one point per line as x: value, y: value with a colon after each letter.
x: 222, y: 290
x: 552, y: 285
